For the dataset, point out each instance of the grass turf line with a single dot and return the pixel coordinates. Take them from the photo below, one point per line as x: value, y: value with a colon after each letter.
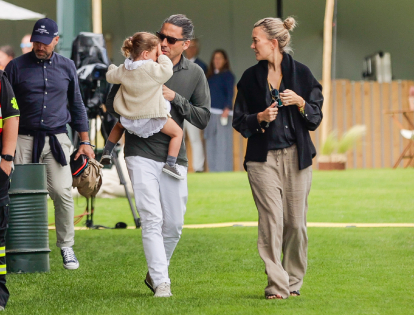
x: 356, y: 196
x: 218, y: 271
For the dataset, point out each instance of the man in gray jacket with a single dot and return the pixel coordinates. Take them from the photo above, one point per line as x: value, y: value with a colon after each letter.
x: 161, y: 199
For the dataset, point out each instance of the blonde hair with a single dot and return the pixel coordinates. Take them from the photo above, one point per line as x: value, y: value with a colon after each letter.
x: 275, y: 28
x: 134, y: 46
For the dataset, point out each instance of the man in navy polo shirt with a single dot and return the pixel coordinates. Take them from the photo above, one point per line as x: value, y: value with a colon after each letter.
x: 47, y: 91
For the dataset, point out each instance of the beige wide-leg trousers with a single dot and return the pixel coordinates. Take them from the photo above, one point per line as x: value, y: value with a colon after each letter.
x: 280, y: 192
x: 59, y: 184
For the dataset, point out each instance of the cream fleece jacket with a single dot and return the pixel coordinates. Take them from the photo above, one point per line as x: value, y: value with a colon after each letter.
x: 140, y: 95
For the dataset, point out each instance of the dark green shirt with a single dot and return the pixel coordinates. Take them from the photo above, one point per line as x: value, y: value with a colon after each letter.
x: 191, y: 102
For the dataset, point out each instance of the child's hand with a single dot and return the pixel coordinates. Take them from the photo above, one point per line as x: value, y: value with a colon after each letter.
x: 159, y: 51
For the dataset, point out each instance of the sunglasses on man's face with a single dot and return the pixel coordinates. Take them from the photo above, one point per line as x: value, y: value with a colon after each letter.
x: 170, y: 40
x: 276, y: 97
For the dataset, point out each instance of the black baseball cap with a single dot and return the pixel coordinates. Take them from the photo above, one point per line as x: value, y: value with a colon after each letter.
x: 44, y: 31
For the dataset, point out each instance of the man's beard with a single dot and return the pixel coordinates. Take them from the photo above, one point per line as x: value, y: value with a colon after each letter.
x: 43, y: 56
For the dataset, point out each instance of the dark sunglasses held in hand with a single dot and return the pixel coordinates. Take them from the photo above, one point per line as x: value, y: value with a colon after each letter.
x: 276, y: 97
x: 170, y: 40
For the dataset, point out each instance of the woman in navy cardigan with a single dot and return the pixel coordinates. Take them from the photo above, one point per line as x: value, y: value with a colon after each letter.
x: 219, y: 132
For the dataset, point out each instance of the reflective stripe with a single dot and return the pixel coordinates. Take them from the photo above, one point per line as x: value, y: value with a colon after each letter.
x: 11, y: 117
x: 3, y: 269
x: 2, y: 252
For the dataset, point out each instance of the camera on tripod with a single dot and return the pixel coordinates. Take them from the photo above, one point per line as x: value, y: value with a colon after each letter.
x: 91, y: 61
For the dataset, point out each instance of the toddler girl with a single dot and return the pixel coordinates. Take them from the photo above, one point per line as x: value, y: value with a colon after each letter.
x: 139, y: 101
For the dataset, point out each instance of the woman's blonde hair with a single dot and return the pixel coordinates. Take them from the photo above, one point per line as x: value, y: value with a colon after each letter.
x: 275, y: 28
x: 133, y: 46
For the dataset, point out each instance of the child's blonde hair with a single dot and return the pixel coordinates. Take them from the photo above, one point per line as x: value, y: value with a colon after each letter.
x: 134, y: 46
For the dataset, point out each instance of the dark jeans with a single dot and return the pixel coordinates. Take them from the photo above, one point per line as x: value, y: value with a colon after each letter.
x: 4, y: 216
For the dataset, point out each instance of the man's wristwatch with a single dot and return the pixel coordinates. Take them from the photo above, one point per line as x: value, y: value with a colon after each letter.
x: 7, y: 157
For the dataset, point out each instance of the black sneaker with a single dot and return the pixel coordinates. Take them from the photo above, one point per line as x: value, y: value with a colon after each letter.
x: 69, y: 258
x: 172, y: 170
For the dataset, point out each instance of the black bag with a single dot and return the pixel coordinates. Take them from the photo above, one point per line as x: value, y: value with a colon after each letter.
x: 79, y: 165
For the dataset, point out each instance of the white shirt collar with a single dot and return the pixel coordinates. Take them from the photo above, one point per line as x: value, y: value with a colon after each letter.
x: 132, y: 65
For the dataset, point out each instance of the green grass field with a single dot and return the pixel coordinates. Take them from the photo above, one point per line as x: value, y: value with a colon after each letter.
x: 353, y: 196
x: 218, y: 271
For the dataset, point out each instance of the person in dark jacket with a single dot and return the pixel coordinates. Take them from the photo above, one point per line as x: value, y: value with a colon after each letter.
x: 219, y: 133
x: 277, y: 104
x: 9, y: 126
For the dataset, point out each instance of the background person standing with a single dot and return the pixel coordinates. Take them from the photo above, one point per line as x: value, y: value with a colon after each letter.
x: 47, y: 90
x: 9, y: 126
x: 192, y: 53
x: 194, y: 133
x: 219, y: 132
x: 6, y: 55
x: 26, y: 45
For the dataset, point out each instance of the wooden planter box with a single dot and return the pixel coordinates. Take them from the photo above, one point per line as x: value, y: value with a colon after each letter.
x: 331, y: 166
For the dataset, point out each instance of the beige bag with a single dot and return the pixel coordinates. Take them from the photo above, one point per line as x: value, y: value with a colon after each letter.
x: 90, y: 181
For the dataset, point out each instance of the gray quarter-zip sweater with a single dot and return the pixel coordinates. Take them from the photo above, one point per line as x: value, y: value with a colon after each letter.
x: 191, y: 102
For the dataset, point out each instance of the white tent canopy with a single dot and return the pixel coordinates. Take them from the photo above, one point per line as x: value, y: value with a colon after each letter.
x: 10, y: 11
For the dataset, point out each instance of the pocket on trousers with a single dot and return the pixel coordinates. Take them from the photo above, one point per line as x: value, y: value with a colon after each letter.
x: 4, y: 187
x: 3, y: 176
x: 64, y: 140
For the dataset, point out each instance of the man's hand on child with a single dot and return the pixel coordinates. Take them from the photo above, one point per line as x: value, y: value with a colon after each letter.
x: 168, y: 94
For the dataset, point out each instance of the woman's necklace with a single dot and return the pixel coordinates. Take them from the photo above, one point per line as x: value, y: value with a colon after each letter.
x: 278, y: 85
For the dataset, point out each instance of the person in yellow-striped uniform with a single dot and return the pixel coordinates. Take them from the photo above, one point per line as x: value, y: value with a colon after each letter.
x: 9, y: 126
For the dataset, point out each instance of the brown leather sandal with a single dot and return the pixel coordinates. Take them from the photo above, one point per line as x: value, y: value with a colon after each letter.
x: 295, y: 293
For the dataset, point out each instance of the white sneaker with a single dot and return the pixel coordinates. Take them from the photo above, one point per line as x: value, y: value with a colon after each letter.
x: 163, y: 290
x: 69, y: 259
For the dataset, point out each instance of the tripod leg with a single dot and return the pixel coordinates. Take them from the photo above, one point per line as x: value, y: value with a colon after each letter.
x: 92, y: 209
x: 123, y: 182
x: 88, y: 216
